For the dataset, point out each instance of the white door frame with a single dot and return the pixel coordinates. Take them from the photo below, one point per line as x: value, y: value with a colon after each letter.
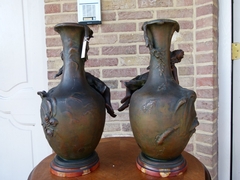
x: 225, y: 91
x: 236, y: 97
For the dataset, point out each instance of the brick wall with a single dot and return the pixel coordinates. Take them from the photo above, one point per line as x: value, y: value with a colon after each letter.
x: 118, y: 53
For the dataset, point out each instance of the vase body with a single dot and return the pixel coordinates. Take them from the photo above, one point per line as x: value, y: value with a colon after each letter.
x: 73, y: 113
x: 162, y: 113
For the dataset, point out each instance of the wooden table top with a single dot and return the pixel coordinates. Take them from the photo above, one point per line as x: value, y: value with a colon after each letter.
x: 118, y: 162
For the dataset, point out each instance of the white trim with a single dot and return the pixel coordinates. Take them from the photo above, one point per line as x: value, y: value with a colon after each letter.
x: 224, y: 74
x: 236, y: 97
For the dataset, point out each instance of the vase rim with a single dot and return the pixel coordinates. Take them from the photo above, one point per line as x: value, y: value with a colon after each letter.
x: 68, y: 24
x: 161, y: 21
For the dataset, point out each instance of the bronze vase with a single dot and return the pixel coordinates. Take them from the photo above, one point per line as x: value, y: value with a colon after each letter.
x: 162, y: 113
x: 73, y: 113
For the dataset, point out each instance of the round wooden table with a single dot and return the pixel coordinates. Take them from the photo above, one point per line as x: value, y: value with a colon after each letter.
x: 118, y: 162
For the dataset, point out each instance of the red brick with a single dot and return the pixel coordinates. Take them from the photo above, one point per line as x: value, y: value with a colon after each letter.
x: 208, y: 69
x: 208, y: 160
x: 50, y: 31
x: 206, y: 46
x: 70, y: 7
x: 134, y: 61
x: 189, y: 148
x: 94, y: 72
x: 101, y: 62
x: 206, y: 81
x: 51, y: 75
x: 131, y: 38
x: 185, y: 24
x: 186, y: 47
x: 54, y: 64
x: 213, y: 171
x: 206, y: 138
x: 143, y: 70
x: 93, y: 51
x: 208, y: 21
x: 209, y: 57
x: 215, y: 10
x: 116, y: 95
x: 140, y: 26
x: 123, y: 116
x: 208, y: 150
x: 108, y: 16
x: 126, y: 72
x: 126, y: 127
x: 55, y: 19
x: 116, y: 5
x: 187, y: 70
x: 52, y: 8
x: 184, y: 3
x: 204, y: 10
x: 143, y: 49
x: 207, y: 116
x: 110, y: 127
x: 186, y: 81
x: 206, y: 105
x: 120, y: 27
x: 175, y: 13
x: 115, y: 105
x: 54, y: 52
x: 150, y: 3
x: 135, y: 15
x: 206, y: 34
x: 187, y: 60
x: 95, y: 28
x: 207, y: 127
x: 207, y: 93
x: 51, y: 42
x: 200, y: 2
x: 104, y: 39
x: 186, y: 35
x: 117, y: 50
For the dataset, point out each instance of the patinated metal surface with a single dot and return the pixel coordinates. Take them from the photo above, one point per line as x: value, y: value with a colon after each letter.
x: 73, y: 113
x: 162, y: 113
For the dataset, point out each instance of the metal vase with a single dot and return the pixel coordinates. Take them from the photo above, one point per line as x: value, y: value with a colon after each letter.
x: 73, y: 113
x: 162, y: 113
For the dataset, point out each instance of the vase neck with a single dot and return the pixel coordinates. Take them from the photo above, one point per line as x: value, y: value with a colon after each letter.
x: 158, y: 35
x: 160, y: 69
x: 73, y: 67
x: 73, y: 37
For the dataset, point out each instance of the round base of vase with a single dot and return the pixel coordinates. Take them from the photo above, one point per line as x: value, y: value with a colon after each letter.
x: 161, y: 168
x: 74, y: 168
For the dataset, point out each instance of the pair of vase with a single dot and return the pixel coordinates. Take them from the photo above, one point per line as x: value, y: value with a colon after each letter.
x: 162, y: 113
